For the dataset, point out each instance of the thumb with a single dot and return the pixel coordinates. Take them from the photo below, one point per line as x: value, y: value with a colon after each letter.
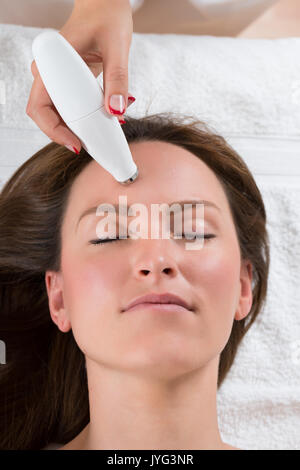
x: 115, y: 80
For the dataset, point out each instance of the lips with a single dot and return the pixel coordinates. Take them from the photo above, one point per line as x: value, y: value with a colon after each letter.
x: 153, y: 298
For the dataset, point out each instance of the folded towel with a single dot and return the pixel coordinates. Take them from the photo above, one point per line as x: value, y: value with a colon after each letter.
x: 259, y: 405
x: 240, y: 86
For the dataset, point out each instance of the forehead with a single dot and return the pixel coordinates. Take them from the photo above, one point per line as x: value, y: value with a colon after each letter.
x: 167, y: 173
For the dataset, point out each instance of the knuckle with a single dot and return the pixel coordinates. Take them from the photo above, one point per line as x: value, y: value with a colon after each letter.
x: 117, y: 74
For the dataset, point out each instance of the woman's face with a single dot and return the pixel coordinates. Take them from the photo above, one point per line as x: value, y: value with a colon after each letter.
x: 96, y: 282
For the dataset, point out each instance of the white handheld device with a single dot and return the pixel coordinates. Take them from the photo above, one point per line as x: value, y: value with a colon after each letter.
x: 79, y: 99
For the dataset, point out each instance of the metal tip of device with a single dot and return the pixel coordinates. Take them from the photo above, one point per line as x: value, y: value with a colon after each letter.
x: 132, y: 178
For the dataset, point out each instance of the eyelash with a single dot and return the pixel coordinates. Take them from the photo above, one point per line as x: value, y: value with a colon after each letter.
x: 107, y: 240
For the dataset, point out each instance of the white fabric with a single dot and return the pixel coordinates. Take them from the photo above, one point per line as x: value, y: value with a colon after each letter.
x: 249, y: 91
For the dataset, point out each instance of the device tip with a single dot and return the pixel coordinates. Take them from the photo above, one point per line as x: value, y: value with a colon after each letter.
x: 132, y: 178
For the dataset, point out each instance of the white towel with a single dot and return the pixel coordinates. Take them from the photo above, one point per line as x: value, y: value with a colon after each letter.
x: 249, y: 91
x: 259, y: 406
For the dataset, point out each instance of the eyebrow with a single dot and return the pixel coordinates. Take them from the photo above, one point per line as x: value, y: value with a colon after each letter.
x: 206, y: 203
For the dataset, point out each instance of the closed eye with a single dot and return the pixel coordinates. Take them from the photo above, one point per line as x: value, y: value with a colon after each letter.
x: 190, y: 236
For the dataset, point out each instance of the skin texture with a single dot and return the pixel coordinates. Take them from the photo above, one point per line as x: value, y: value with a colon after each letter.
x: 152, y: 376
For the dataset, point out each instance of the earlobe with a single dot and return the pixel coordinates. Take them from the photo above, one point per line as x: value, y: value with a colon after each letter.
x: 54, y: 286
x: 246, y: 299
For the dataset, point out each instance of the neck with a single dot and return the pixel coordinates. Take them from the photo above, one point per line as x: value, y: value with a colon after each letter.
x: 129, y: 411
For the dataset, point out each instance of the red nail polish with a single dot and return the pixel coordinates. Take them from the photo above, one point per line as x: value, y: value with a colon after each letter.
x: 75, y: 150
x: 116, y: 111
x: 122, y: 121
x: 131, y: 98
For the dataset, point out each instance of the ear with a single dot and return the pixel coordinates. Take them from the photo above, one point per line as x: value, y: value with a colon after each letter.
x: 246, y: 299
x: 54, y: 286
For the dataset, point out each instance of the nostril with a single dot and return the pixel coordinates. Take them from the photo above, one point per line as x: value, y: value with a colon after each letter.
x: 145, y: 271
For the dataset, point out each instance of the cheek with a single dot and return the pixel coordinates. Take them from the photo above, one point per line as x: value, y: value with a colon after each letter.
x: 216, y: 273
x: 91, y: 284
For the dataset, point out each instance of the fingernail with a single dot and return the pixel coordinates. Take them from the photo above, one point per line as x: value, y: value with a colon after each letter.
x: 131, y: 98
x: 117, y: 104
x: 122, y: 121
x: 72, y: 148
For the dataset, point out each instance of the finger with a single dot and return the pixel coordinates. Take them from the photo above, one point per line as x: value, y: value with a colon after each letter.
x: 131, y: 99
x: 115, y: 74
x: 42, y: 111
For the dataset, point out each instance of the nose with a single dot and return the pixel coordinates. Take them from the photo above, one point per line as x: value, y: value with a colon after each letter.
x: 155, y: 261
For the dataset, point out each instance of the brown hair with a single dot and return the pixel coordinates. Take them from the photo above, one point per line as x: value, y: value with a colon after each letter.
x: 43, y: 385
